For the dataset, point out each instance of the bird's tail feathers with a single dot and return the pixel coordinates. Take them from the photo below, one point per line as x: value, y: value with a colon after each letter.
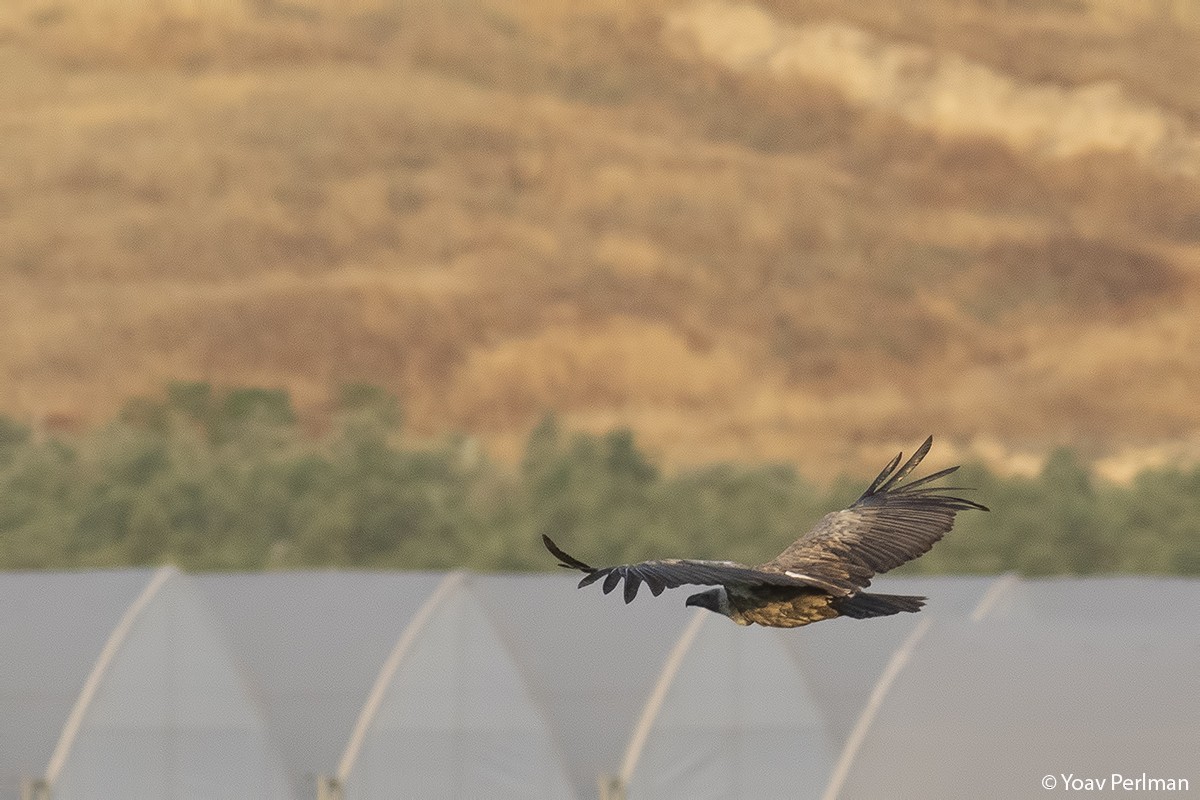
x: 865, y: 606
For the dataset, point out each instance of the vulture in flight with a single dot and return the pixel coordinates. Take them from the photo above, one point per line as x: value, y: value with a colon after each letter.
x: 822, y: 574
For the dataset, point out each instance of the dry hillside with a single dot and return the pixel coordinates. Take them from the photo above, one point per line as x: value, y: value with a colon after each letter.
x: 802, y: 231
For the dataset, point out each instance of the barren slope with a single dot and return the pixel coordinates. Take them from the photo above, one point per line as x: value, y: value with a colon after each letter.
x: 494, y: 210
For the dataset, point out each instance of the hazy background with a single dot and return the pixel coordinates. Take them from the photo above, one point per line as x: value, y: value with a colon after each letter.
x: 252, y: 250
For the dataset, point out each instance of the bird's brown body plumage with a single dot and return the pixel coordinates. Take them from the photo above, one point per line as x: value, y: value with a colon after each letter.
x: 822, y: 574
x: 781, y: 607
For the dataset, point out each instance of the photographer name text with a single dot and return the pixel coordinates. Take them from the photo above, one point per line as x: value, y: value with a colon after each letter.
x: 1116, y: 782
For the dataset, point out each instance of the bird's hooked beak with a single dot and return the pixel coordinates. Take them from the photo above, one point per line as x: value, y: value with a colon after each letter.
x: 710, y: 600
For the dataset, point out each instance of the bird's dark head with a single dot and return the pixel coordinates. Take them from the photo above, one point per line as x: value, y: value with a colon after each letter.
x: 714, y: 600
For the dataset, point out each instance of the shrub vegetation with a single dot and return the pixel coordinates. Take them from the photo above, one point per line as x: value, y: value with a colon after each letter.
x: 230, y: 480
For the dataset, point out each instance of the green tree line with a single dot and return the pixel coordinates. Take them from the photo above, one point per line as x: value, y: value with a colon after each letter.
x: 228, y: 480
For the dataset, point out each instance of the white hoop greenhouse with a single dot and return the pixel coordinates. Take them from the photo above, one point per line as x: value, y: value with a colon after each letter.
x: 301, y: 685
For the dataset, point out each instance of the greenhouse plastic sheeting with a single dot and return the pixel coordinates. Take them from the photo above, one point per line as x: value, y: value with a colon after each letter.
x: 990, y: 708
x: 52, y: 628
x: 457, y: 719
x: 843, y: 662
x: 591, y: 661
x: 737, y: 720
x: 140, y: 684
x: 170, y: 716
x: 312, y: 644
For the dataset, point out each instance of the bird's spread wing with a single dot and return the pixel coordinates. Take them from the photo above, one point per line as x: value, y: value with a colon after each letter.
x: 887, y: 526
x: 670, y: 573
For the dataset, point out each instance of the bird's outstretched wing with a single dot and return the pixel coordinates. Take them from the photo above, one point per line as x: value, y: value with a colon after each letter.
x: 887, y: 526
x: 670, y: 573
